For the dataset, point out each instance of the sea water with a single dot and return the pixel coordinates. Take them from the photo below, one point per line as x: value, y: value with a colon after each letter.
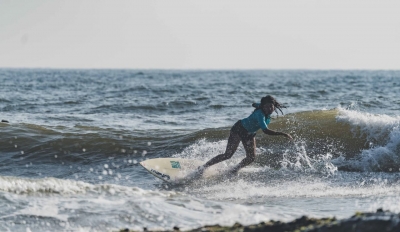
x: 69, y: 156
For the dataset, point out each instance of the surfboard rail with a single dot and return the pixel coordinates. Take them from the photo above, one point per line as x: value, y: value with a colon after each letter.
x: 170, y: 169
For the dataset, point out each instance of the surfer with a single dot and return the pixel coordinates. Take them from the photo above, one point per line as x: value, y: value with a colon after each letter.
x: 245, y: 131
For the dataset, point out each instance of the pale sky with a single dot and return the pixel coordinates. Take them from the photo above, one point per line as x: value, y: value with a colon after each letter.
x: 203, y: 34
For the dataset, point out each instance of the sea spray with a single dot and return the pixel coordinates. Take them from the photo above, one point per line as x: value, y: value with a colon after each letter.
x: 383, y: 136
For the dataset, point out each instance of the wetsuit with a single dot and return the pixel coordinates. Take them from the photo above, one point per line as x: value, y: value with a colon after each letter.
x: 247, y: 127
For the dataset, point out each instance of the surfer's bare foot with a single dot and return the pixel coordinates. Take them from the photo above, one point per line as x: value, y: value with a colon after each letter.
x: 200, y: 170
x: 234, y: 171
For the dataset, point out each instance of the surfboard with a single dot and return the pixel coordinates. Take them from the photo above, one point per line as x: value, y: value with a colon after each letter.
x: 176, y: 170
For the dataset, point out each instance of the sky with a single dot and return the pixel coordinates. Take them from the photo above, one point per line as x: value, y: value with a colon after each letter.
x: 202, y: 34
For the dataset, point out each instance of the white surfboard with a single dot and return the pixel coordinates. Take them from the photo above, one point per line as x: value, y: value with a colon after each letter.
x: 176, y: 170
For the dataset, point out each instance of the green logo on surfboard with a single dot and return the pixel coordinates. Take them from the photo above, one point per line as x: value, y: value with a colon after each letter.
x: 175, y: 164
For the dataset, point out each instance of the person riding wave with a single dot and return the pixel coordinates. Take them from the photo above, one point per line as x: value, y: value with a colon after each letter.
x: 245, y: 131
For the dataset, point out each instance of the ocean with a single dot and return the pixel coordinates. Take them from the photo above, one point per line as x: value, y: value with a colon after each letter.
x: 70, y: 152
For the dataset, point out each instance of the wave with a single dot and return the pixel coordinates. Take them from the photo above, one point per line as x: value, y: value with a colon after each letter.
x: 51, y: 185
x: 382, y: 133
x: 325, y: 140
x: 252, y: 184
x: 351, y: 140
x: 355, y: 141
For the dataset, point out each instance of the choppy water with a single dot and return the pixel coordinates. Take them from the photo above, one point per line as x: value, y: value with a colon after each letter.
x: 69, y: 156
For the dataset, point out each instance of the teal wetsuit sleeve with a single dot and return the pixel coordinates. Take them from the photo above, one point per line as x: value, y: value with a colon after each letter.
x: 261, y: 121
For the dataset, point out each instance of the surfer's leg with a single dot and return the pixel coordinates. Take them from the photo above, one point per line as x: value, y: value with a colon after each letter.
x: 250, y: 148
x: 233, y: 143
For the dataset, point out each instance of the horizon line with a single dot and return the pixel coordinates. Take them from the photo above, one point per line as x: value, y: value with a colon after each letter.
x: 206, y: 69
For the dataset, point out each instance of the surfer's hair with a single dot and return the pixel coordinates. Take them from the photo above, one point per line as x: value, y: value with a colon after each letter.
x: 270, y: 99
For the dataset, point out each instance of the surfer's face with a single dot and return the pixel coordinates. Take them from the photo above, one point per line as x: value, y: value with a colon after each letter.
x: 268, y: 108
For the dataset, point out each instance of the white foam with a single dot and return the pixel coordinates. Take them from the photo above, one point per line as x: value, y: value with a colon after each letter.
x: 390, y: 203
x: 70, y: 187
x: 46, y: 185
x: 383, y: 135
x: 376, y: 127
x: 205, y: 150
x: 49, y: 209
x: 320, y: 164
x: 278, y: 184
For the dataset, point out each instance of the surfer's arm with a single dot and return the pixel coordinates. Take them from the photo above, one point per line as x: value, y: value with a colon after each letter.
x: 271, y: 132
